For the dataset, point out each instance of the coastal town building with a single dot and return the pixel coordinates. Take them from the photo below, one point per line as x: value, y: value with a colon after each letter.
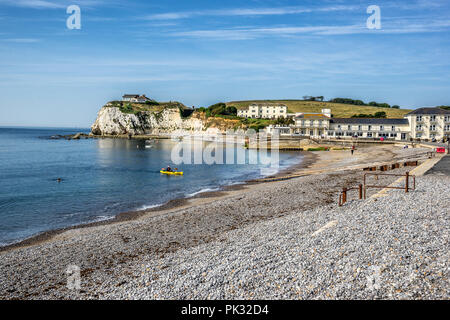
x: 423, y: 124
x: 264, y: 111
x: 135, y: 98
x: 429, y: 123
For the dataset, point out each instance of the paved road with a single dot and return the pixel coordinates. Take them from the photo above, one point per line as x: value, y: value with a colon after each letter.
x: 442, y: 167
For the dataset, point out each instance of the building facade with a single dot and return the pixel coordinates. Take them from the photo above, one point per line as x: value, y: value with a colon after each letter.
x: 421, y: 124
x: 265, y: 111
x: 429, y: 123
x: 135, y: 98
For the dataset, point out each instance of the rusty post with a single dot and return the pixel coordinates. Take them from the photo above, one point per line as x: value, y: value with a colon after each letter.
x: 407, y: 182
x: 364, y: 183
x: 344, y: 195
x: 360, y: 187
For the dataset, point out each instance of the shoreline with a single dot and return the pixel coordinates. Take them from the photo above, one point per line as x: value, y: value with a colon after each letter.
x: 230, y: 236
x: 172, y: 205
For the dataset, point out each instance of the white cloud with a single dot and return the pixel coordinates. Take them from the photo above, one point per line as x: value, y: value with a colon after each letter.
x: 45, y: 4
x: 21, y: 40
x: 35, y: 4
x: 397, y: 27
x: 247, y: 12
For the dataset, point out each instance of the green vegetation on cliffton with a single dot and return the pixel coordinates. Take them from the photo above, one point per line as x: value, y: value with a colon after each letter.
x: 150, y: 106
x: 219, y: 109
x: 339, y: 110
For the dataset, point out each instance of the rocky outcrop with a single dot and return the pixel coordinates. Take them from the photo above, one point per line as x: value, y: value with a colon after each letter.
x: 112, y: 121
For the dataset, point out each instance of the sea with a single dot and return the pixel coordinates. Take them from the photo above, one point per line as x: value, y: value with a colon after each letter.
x: 100, y: 178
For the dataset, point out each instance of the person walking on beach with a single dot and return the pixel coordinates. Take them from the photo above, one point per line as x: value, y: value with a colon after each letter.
x: 353, y: 149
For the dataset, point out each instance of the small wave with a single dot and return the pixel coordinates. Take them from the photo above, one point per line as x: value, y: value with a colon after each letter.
x: 102, y: 218
x: 235, y: 183
x: 265, y: 172
x: 146, y: 207
x: 190, y: 195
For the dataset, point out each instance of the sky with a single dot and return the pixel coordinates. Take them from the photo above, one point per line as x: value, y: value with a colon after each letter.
x: 201, y: 52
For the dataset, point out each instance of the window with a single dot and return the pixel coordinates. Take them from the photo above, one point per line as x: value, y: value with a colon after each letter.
x: 381, y: 128
x: 432, y: 118
x: 339, y: 127
x: 433, y: 127
x: 349, y: 127
x: 331, y: 133
x: 370, y: 128
x: 419, y: 118
x: 360, y: 127
x: 419, y: 127
x: 393, y: 128
x: 369, y: 134
x: 418, y: 135
x: 447, y: 127
x: 447, y: 119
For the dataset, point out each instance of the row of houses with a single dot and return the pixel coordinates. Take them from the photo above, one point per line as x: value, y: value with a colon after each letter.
x: 423, y: 124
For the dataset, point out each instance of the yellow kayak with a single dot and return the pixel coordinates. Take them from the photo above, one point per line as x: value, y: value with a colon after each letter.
x: 175, y: 173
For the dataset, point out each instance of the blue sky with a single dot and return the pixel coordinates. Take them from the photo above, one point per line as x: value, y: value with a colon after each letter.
x: 203, y: 52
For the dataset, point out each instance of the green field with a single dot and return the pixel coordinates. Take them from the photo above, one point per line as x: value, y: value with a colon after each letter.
x: 338, y: 110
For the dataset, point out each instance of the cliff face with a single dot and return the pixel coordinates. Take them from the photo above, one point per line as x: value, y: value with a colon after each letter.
x: 112, y: 121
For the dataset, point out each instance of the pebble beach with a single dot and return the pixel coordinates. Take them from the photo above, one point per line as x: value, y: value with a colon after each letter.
x: 278, y: 240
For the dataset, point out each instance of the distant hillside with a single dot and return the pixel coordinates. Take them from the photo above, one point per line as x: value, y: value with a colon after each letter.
x: 338, y: 110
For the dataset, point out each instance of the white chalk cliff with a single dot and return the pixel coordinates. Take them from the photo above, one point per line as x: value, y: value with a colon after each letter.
x: 112, y: 121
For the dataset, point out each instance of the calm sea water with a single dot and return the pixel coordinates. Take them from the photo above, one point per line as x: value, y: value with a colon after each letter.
x: 101, y: 178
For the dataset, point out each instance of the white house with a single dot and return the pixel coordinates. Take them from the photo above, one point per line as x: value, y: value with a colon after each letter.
x: 266, y: 111
x: 135, y: 98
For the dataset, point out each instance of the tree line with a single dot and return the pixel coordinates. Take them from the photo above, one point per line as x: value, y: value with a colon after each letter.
x: 219, y: 109
x: 362, y: 103
x: 380, y: 114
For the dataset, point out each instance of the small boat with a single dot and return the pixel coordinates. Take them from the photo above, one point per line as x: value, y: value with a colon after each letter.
x: 175, y: 173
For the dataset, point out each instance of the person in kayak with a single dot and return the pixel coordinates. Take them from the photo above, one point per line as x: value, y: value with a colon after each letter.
x: 169, y: 169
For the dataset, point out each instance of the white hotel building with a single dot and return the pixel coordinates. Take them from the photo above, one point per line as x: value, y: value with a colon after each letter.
x: 429, y: 123
x: 265, y: 111
x: 423, y: 124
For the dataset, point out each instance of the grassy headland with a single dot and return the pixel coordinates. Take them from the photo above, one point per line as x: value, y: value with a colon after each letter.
x: 131, y: 107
